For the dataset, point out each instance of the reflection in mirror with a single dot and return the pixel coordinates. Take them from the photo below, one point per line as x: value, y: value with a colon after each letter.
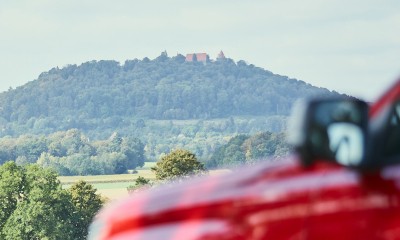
x: 337, y: 131
x: 346, y: 143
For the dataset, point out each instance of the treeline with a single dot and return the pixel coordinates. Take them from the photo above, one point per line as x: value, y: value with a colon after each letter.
x: 201, y: 137
x: 71, y: 152
x: 245, y: 149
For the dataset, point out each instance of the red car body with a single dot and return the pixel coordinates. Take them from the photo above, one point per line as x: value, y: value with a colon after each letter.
x: 278, y: 200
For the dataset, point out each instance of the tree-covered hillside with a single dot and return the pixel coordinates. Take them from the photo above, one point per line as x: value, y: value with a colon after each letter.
x: 147, y: 99
x: 71, y: 153
x: 164, y: 88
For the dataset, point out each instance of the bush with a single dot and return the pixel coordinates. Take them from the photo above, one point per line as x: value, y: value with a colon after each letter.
x: 178, y: 164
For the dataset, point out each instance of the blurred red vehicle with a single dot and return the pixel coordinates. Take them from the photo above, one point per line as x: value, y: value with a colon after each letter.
x: 342, y: 182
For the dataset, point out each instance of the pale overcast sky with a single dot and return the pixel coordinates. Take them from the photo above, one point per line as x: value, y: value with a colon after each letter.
x: 352, y: 47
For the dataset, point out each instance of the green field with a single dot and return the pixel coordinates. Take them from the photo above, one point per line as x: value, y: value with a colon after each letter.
x: 114, y: 186
x: 108, y: 178
x: 111, y: 186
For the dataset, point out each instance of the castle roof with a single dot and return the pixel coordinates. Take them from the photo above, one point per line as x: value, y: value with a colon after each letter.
x: 201, y: 57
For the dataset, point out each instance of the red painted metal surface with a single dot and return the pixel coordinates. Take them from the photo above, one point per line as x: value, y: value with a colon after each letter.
x: 386, y: 99
x: 279, y: 200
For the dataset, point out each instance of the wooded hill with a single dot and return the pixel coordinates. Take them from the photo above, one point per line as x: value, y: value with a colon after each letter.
x: 166, y: 102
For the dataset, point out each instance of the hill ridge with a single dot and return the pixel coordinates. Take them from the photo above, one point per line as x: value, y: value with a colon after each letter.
x: 138, y: 96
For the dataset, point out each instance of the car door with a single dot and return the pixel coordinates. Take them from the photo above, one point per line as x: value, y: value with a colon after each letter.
x: 355, y: 204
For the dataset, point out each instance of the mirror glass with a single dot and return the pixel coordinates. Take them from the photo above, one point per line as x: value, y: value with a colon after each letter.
x: 337, y: 131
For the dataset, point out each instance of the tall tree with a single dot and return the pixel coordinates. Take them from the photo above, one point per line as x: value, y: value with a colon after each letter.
x: 34, y: 206
x: 43, y: 209
x: 87, y: 203
x: 12, y: 182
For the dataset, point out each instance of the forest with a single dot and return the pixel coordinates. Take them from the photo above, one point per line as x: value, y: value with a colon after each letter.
x: 165, y: 103
x: 71, y: 153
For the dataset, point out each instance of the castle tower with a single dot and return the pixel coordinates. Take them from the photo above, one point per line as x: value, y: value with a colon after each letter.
x: 221, y: 56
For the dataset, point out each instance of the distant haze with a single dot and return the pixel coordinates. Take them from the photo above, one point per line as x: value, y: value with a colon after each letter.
x: 352, y: 47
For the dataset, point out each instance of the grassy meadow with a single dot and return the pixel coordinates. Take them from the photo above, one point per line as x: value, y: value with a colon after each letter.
x: 111, y: 186
x: 114, y: 186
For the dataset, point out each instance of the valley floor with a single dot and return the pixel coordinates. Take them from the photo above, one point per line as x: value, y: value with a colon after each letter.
x: 114, y: 187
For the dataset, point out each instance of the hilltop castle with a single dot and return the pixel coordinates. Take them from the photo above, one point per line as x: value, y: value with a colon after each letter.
x: 202, y: 57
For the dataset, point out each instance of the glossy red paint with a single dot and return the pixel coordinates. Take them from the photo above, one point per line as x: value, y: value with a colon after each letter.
x: 272, y: 200
x: 386, y: 99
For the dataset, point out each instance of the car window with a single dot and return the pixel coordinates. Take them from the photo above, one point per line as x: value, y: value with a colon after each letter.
x: 392, y: 146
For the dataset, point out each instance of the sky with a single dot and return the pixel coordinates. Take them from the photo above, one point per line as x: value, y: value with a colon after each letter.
x: 350, y: 46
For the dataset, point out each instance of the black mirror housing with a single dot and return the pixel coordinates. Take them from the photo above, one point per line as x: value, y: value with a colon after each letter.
x: 330, y: 129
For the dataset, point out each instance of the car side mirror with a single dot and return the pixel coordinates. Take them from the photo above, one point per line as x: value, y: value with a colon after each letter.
x: 385, y: 131
x: 330, y: 129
